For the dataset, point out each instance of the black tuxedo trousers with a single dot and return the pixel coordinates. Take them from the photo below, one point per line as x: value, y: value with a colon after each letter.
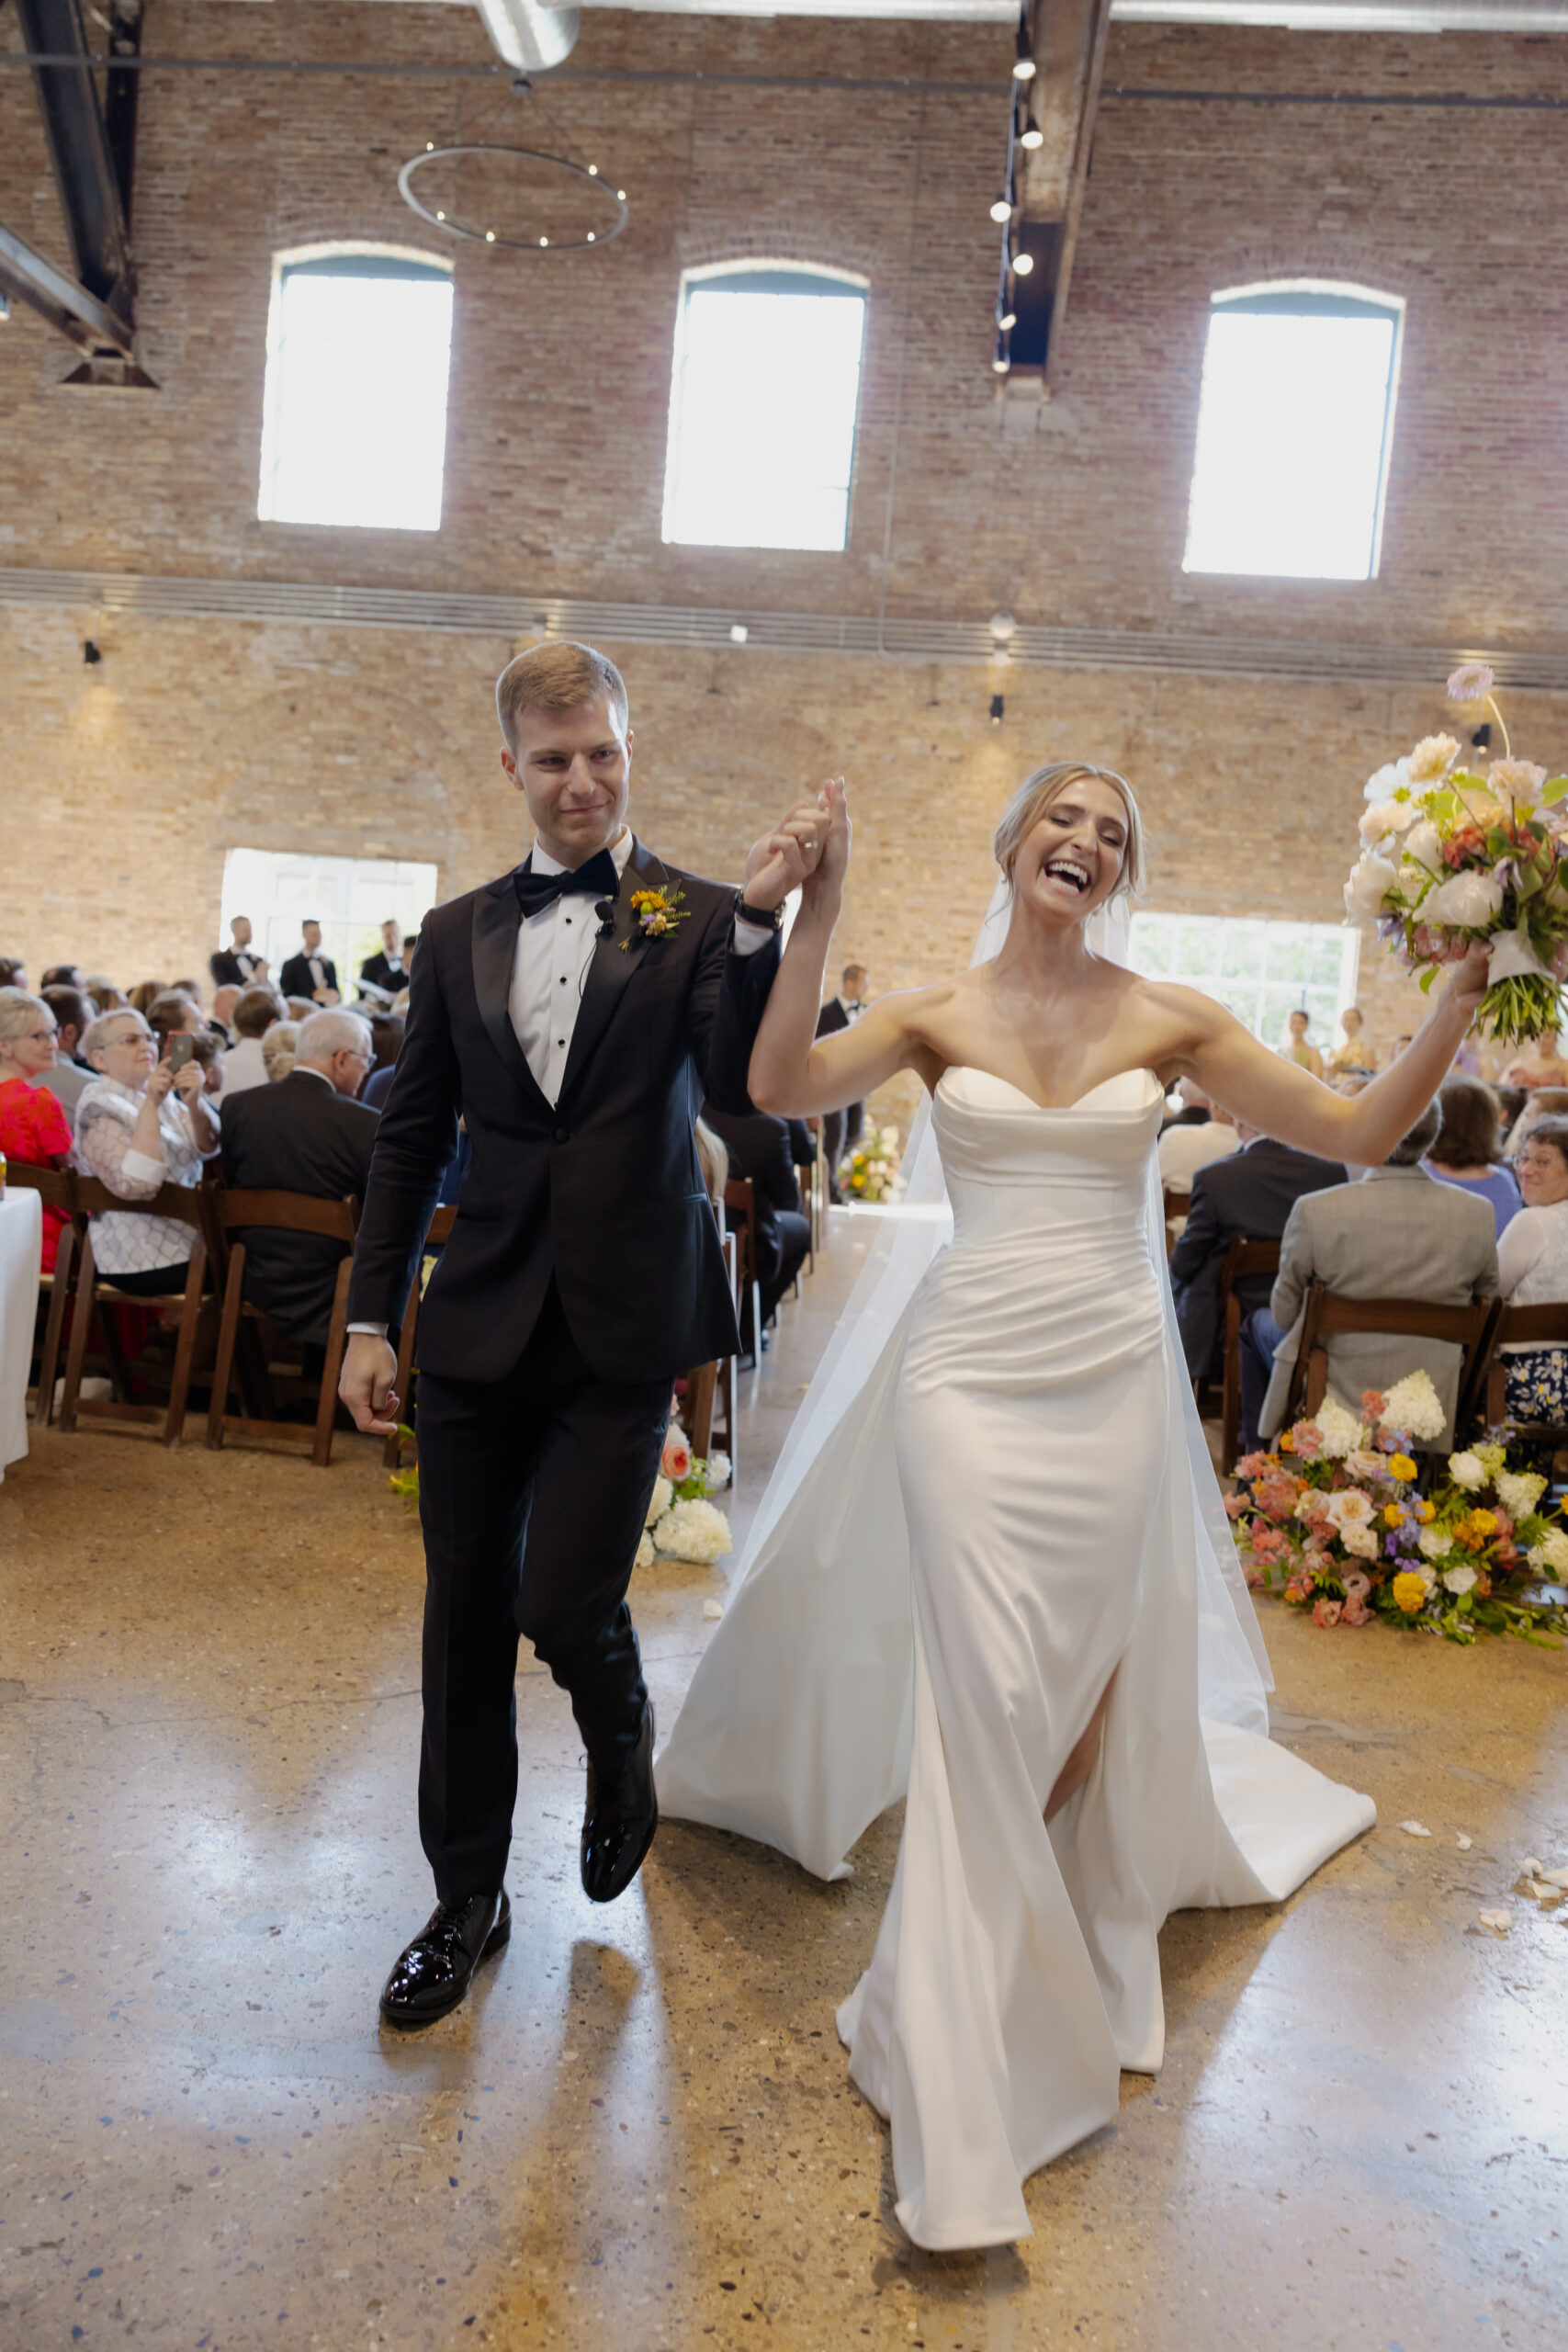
x: 533, y: 1491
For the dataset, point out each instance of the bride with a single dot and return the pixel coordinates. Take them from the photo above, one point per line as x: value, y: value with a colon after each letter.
x: 1055, y: 1648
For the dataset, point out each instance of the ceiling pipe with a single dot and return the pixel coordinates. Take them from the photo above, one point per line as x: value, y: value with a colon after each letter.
x: 532, y: 35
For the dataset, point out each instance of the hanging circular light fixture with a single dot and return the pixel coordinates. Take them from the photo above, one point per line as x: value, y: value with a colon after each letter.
x: 582, y: 178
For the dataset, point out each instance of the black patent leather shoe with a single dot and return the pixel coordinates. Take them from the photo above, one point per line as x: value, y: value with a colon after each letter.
x: 620, y: 1821
x: 434, y: 1972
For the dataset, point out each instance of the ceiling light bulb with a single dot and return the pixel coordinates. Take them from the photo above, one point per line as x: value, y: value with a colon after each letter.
x: 1024, y: 71
x: 591, y: 236
x: 1002, y: 208
x: 593, y: 170
x: 622, y: 194
x: 1007, y: 321
x: 544, y: 241
x: 1023, y: 63
x: 430, y: 146
x: 1031, y: 136
x: 441, y: 216
x: 490, y: 236
x: 1022, y: 263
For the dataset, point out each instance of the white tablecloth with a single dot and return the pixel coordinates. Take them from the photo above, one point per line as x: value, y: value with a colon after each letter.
x: 22, y: 1256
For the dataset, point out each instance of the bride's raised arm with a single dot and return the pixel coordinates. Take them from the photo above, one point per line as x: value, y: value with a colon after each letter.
x: 793, y: 1073
x: 1284, y: 1101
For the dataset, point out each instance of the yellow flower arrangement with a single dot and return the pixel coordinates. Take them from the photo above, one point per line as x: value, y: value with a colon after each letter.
x: 1400, y: 1466
x: 656, y: 913
x: 1392, y: 1515
x: 1409, y: 1591
x: 1425, y: 1512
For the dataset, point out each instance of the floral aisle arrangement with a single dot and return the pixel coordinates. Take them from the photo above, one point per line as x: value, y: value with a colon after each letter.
x: 1449, y: 858
x: 1330, y: 1520
x: 682, y: 1523
x: 872, y: 1173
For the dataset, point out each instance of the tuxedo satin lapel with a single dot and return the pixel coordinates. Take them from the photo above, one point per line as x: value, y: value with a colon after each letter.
x: 494, y: 943
x: 616, y: 961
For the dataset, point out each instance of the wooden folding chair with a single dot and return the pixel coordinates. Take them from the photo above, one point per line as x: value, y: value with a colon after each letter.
x: 1328, y: 1315
x: 740, y: 1216
x: 57, y: 1190
x: 1242, y: 1260
x: 440, y: 1233
x: 277, y: 1212
x: 1522, y: 1326
x: 176, y: 1205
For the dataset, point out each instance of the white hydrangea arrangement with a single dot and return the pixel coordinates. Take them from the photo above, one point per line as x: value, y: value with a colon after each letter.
x: 681, y: 1523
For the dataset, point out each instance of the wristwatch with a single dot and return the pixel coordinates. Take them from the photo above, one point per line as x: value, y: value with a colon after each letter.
x: 765, y: 918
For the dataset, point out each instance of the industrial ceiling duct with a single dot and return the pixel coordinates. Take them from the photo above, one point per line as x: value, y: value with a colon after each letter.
x: 532, y: 35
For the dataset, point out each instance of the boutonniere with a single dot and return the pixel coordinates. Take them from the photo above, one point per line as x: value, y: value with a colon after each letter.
x: 656, y: 913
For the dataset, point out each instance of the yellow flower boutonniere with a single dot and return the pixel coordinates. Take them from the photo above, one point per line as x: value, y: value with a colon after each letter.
x: 656, y: 913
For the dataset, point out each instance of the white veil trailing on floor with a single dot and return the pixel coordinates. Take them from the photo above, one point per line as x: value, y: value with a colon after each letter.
x: 796, y: 1727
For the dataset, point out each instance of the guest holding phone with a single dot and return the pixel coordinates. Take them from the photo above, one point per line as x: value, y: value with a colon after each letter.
x: 142, y: 1123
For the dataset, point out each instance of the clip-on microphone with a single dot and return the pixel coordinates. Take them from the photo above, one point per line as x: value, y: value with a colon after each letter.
x: 605, y: 911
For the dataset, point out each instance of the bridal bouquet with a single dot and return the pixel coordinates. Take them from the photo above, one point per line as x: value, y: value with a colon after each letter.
x: 1449, y: 858
x: 681, y: 1523
x: 1330, y: 1520
x: 872, y: 1173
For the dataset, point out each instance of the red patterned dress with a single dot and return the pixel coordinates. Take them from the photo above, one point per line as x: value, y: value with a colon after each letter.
x: 34, y: 1129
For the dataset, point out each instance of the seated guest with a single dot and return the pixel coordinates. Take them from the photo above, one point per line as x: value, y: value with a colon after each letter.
x: 104, y: 993
x: 1541, y: 1103
x: 173, y: 1014
x: 758, y: 1147
x: 1532, y: 1270
x: 714, y: 1161
x: 63, y: 976
x: 1541, y: 1064
x: 243, y: 1064
x: 224, y: 1000
x: 384, y: 970
x: 74, y: 1014
x: 1469, y: 1149
x: 13, y: 973
x: 1299, y: 1047
x: 278, y: 1050
x: 307, y: 1134
x: 1189, y: 1144
x: 311, y: 974
x: 1395, y: 1233
x: 299, y: 1008
x: 842, y: 1130
x: 207, y: 1050
x: 141, y: 1125
x: 1246, y: 1196
x: 33, y: 1125
x: 237, y: 965
x: 144, y: 995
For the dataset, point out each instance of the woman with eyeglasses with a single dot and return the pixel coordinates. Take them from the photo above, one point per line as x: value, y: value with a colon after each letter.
x: 34, y: 1129
x: 140, y: 1125
x: 1532, y: 1270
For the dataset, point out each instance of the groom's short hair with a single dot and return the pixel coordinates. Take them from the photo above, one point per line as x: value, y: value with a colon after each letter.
x: 562, y: 676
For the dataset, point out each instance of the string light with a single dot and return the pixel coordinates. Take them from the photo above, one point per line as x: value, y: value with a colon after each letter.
x: 1006, y: 320
x: 1022, y: 263
x: 490, y: 236
x: 1002, y: 208
x: 621, y: 193
x: 593, y: 170
x: 1031, y: 136
x: 1001, y: 361
x: 1023, y: 63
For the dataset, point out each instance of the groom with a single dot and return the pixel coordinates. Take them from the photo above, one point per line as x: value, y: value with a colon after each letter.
x: 573, y: 1011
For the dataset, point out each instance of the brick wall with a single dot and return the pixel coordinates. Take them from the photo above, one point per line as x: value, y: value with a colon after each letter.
x: 125, y: 784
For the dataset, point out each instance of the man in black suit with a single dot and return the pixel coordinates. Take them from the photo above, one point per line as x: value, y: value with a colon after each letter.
x: 236, y: 966
x: 759, y: 1147
x: 385, y: 970
x: 307, y: 1134
x: 1250, y: 1194
x: 576, y: 1011
x: 842, y: 1130
x: 311, y: 974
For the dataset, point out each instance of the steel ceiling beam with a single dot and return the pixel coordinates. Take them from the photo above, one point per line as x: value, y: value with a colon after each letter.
x: 70, y: 310
x: 86, y: 176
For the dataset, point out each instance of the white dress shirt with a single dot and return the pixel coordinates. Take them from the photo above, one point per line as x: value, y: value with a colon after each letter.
x: 243, y: 1065
x: 1184, y: 1149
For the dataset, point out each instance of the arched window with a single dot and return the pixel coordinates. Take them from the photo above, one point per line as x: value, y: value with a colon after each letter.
x: 762, y: 406
x: 1295, y: 423
x: 353, y: 416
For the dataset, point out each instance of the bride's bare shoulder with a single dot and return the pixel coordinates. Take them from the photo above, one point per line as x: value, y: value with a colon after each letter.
x: 1187, y: 1013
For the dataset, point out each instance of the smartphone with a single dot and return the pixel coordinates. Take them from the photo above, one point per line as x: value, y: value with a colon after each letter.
x: 181, y: 1048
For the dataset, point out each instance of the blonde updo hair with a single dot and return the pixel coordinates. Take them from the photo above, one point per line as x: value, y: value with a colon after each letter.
x: 1034, y: 795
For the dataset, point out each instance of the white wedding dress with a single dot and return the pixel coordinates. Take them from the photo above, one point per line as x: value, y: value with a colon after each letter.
x: 1001, y: 1507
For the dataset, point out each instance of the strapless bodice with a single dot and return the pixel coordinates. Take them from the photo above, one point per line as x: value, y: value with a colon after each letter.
x: 1014, y: 1168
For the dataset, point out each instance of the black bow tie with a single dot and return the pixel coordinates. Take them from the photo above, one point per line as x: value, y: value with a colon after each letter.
x: 597, y: 880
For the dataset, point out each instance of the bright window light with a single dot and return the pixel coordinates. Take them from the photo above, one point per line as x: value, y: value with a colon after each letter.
x: 351, y: 897
x: 1293, y: 428
x: 1260, y: 971
x: 763, y: 409
x: 355, y: 412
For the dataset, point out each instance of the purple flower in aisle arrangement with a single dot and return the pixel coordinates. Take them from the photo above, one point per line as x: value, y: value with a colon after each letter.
x: 1450, y: 858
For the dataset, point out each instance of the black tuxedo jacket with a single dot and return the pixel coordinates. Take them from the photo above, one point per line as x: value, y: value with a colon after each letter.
x: 831, y: 1018
x: 295, y: 978
x: 300, y: 1135
x: 1250, y: 1194
x: 224, y: 967
x: 377, y: 968
x: 603, y: 1190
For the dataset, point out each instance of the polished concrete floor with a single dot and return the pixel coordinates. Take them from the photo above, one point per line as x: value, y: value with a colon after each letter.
x: 637, y: 2131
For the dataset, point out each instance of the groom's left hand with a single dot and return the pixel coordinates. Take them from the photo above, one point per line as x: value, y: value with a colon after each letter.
x: 784, y: 859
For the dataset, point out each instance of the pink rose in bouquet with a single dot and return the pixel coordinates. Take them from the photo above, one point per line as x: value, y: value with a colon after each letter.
x: 1326, y: 1612
x: 675, y: 1462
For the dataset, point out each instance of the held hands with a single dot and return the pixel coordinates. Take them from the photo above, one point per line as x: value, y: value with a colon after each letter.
x: 1468, y: 981
x: 370, y: 1368
x: 792, y: 857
